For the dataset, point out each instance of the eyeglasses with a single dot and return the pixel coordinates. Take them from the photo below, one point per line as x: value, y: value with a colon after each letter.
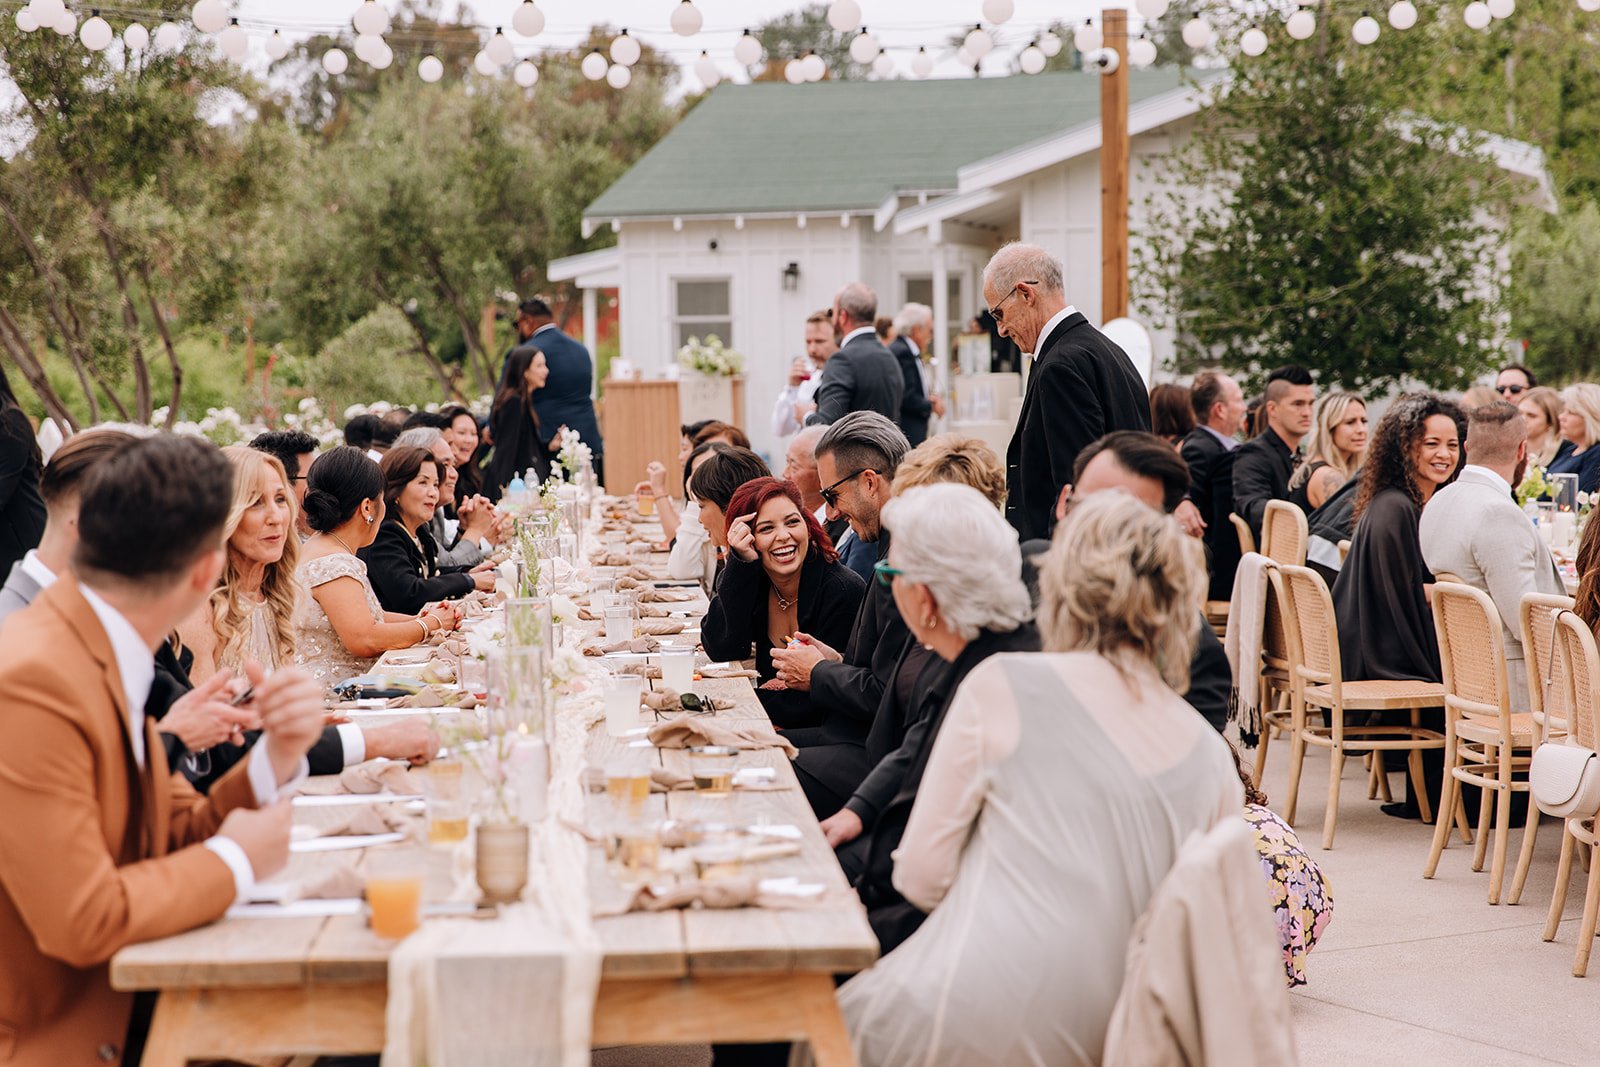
x: 1513, y: 390
x: 995, y: 311
x: 830, y: 495
x: 885, y: 573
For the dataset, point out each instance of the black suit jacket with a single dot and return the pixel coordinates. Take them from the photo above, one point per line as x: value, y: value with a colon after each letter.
x: 21, y: 507
x: 1081, y: 388
x: 915, y: 407
x: 405, y: 578
x: 861, y: 376
x: 846, y: 694
x: 1211, y: 492
x: 1261, y: 470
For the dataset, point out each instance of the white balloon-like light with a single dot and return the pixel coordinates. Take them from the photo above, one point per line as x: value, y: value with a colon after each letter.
x: 1088, y: 37
x: 66, y: 24
x: 169, y: 37
x: 883, y: 66
x: 368, y: 46
x: 706, y: 70
x: 431, y: 69
x: 210, y: 16
x: 1301, y: 25
x: 384, y: 58
x: 135, y: 38
x: 922, y: 63
x: 625, y: 49
x: 47, y: 12
x: 864, y: 49
x: 335, y: 62
x: 1253, y: 42
x: 966, y: 58
x: 277, y: 46
x: 747, y: 49
x: 1049, y: 44
x: 618, y: 76
x: 813, y: 67
x: 594, y: 66
x: 1403, y: 14
x: 1152, y: 9
x: 997, y: 11
x: 792, y: 72
x: 844, y: 15
x: 686, y: 19
x: 1476, y: 15
x: 1589, y: 5
x: 1197, y: 33
x: 484, y: 65
x: 978, y: 43
x: 528, y: 19
x: 371, y: 18
x: 499, y: 48
x: 1502, y: 9
x: 26, y: 21
x: 1141, y: 52
x: 234, y: 41
x: 525, y: 74
x: 1031, y: 60
x: 96, y: 34
x: 1365, y: 30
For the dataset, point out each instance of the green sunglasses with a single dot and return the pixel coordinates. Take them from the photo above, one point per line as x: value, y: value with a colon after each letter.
x: 886, y: 574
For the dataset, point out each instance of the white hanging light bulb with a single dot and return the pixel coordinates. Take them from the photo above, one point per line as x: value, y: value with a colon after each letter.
x: 1197, y: 33
x: 169, y: 37
x: 966, y: 58
x: 1152, y: 9
x: 813, y: 67
x: 618, y: 76
x: 1502, y: 9
x: 486, y: 66
x: 792, y: 72
x: 499, y: 47
x: 233, y: 40
x: 1253, y: 42
x: 26, y: 22
x: 625, y: 49
x: 997, y: 11
x: 864, y: 49
x: 1049, y: 44
x: 528, y: 19
x: 1032, y: 60
x: 747, y: 49
x: 883, y: 66
x: 1403, y: 14
x: 47, y: 12
x: 706, y: 70
x: 844, y: 15
x: 66, y: 24
x: 135, y: 38
x: 210, y: 16
x: 385, y: 57
x: 335, y: 62
x: 978, y: 43
x: 96, y: 33
x: 525, y: 74
x: 1088, y: 37
x: 1301, y: 25
x: 368, y: 46
x: 1141, y: 52
x: 277, y: 46
x: 686, y: 19
x: 371, y: 18
x: 594, y: 65
x: 1589, y: 5
x: 430, y: 69
x: 922, y: 63
x: 1476, y: 15
x: 1365, y: 30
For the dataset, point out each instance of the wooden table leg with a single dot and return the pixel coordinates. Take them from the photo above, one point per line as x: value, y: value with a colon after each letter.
x: 825, y: 1029
x: 167, y: 1045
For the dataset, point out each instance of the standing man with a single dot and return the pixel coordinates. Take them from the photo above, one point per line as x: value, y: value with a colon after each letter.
x: 914, y: 329
x: 1081, y: 388
x: 795, y: 401
x: 862, y: 375
x: 1219, y: 411
x: 1264, y: 464
x: 566, y: 398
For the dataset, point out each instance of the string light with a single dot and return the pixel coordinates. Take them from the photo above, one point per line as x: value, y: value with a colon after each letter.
x: 626, y: 50
x: 747, y: 49
x: 1088, y: 37
x: 686, y: 19
x: 96, y: 33
x: 525, y: 74
x: 135, y: 38
x: 209, y: 16
x: 1403, y: 15
x: 844, y: 15
x: 431, y: 69
x: 335, y: 62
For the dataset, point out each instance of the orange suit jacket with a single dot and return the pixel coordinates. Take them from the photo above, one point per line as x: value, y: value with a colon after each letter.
x: 95, y: 854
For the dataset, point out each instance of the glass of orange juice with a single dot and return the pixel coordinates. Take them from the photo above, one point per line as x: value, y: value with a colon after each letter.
x: 446, y: 797
x: 394, y: 892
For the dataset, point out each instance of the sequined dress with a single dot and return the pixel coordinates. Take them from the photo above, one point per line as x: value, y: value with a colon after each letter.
x: 318, y: 648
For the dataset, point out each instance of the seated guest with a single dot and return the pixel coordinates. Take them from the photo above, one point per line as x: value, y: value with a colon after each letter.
x: 295, y: 450
x: 465, y: 439
x: 1263, y: 465
x: 782, y: 577
x: 800, y: 467
x: 98, y: 864
x: 342, y: 627
x: 520, y: 443
x: 360, y: 431
x: 655, y: 482
x: 1580, y: 430
x: 403, y: 560
x: 1476, y: 397
x: 1171, y: 414
x: 468, y: 538
x: 958, y: 617
x: 714, y: 482
x: 1541, y: 406
x: 721, y: 431
x: 952, y: 457
x: 1218, y: 406
x: 1079, y: 769
x: 249, y: 619
x: 693, y: 554
x: 1586, y: 601
x: 1513, y: 381
x: 1380, y: 598
x: 1335, y: 452
x: 1473, y: 529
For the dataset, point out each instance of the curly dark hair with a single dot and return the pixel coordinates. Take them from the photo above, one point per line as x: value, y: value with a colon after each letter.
x: 1389, y: 464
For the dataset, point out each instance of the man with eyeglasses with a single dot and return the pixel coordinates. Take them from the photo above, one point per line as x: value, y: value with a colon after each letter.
x: 862, y: 375
x: 1082, y: 385
x: 1513, y: 381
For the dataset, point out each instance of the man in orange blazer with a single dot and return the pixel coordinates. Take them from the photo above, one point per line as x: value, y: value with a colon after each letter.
x: 102, y: 845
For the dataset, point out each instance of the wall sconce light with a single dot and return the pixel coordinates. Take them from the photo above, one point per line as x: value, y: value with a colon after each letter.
x: 791, y: 277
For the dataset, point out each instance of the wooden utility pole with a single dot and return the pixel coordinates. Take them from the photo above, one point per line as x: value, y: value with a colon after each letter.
x: 1114, y: 170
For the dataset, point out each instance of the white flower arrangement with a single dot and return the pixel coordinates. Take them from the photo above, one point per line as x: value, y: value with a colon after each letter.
x: 485, y: 638
x: 563, y: 611
x: 710, y: 357
x: 570, y: 672
x: 574, y: 454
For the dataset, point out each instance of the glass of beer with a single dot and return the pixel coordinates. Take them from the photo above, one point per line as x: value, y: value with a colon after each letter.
x: 628, y: 778
x: 446, y: 795
x: 636, y: 851
x: 646, y: 501
x: 394, y: 892
x: 712, y: 767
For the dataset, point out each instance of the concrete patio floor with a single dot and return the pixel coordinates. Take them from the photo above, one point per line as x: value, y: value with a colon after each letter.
x: 1419, y: 971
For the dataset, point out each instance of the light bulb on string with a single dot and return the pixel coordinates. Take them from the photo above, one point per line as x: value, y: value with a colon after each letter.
x: 430, y: 69
x: 883, y: 66
x: 233, y: 40
x: 385, y: 57
x: 26, y: 22
x: 792, y: 72
x: 747, y: 49
x: 1403, y: 14
x: 1301, y: 25
x: 1365, y: 30
x: 528, y: 19
x: 686, y: 19
x: 1151, y: 10
x: 864, y: 49
x: 706, y: 70
x: 525, y: 74
x: 66, y: 24
x: 594, y: 65
x: 1088, y: 37
x: 368, y: 46
x: 486, y: 66
x: 922, y: 62
x: 169, y: 37
x: 47, y: 12
x: 1476, y: 15
x: 997, y: 11
x: 618, y: 76
x: 335, y: 62
x: 1141, y: 52
x: 1501, y: 9
x: 371, y: 18
x: 499, y: 47
x: 625, y: 49
x: 1589, y: 5
x: 965, y: 58
x: 210, y: 16
x: 1197, y: 33
x: 135, y: 38
x: 844, y: 15
x: 1252, y: 42
x: 277, y: 46
x: 978, y: 43
x: 813, y: 67
x: 96, y: 33
x: 1050, y: 44
x: 1031, y: 60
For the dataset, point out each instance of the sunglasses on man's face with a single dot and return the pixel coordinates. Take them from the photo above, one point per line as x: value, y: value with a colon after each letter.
x: 1513, y: 390
x: 830, y: 495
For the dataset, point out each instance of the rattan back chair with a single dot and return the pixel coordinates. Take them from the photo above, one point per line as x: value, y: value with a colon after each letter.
x: 1547, y: 685
x: 1579, y: 667
x: 1284, y: 534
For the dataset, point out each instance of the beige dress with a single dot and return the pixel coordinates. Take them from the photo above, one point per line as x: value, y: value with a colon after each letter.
x: 260, y: 643
x: 318, y: 648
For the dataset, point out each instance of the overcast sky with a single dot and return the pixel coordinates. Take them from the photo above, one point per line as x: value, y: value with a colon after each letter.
x: 899, y: 25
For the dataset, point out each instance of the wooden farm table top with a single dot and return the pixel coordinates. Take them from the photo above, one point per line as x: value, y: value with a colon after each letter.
x: 323, y: 979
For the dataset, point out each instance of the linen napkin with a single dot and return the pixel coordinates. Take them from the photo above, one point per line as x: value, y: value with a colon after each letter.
x: 685, y: 731
x: 721, y: 893
x: 671, y: 700
x: 636, y: 645
x: 375, y: 776
x: 667, y: 596
x: 727, y: 671
x: 339, y: 883
x: 375, y: 819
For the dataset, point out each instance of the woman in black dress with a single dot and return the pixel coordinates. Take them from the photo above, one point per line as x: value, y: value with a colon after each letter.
x: 403, y: 560
x: 1380, y: 599
x: 21, y: 507
x: 519, y: 441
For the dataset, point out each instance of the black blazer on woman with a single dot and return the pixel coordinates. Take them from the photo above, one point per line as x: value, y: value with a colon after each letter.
x: 21, y: 506
x: 406, y: 578
x: 830, y: 596
x: 519, y: 443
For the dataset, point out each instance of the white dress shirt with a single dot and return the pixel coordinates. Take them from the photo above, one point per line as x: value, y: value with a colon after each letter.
x: 43, y: 576
x: 1228, y: 443
x: 1055, y: 320
x: 853, y: 334
x: 784, y: 424
x: 137, y: 669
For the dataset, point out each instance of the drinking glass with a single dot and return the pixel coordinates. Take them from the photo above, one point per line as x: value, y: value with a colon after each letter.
x: 677, y: 669
x: 636, y: 850
x: 621, y: 693
x: 646, y: 501
x: 628, y: 778
x: 713, y: 767
x: 394, y: 892
x: 446, y: 796
x: 530, y: 623
x: 516, y: 701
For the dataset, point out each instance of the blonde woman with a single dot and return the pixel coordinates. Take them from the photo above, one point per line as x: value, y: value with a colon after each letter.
x: 1541, y: 406
x: 1580, y: 428
x: 1073, y: 774
x: 1337, y: 447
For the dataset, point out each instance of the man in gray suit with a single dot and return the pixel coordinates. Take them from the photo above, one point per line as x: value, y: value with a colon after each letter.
x: 863, y: 375
x: 1474, y: 530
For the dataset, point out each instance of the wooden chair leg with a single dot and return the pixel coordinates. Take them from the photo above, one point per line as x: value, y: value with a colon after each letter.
x: 1330, y: 818
x: 1380, y: 767
x: 1591, y: 911
x: 1419, y: 785
x: 1371, y: 764
x: 1261, y: 754
x: 1447, y: 802
x: 1502, y: 829
x: 1480, y: 850
x: 1461, y: 818
x: 1297, y: 762
x: 1558, y: 896
x: 1530, y: 830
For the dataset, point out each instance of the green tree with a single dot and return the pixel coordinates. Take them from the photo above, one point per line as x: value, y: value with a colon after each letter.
x: 806, y: 30
x: 1312, y: 219
x: 1555, y: 307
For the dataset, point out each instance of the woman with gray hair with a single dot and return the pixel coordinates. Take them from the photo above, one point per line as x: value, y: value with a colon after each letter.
x: 958, y: 617
x: 1057, y: 797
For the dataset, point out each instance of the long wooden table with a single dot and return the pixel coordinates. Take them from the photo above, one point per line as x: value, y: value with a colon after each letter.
x: 269, y: 986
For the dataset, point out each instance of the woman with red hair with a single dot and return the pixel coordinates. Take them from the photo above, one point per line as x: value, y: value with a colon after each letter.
x: 782, y: 576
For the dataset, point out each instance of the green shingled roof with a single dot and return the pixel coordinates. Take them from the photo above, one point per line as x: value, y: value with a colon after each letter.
x: 846, y: 146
